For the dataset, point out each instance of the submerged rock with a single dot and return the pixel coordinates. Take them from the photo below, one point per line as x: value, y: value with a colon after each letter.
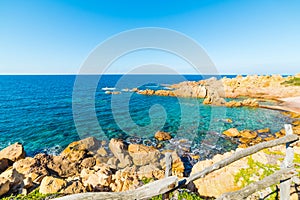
x: 112, y: 92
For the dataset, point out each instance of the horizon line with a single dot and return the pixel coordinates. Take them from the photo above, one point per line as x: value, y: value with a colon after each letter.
x: 75, y: 74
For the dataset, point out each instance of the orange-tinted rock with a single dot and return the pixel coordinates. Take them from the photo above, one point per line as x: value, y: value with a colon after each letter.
x: 296, y: 130
x: 248, y: 134
x: 245, y: 140
x: 161, y: 136
x: 296, y: 123
x: 232, y: 132
x: 243, y: 146
x: 270, y: 137
x: 233, y: 104
x: 265, y: 130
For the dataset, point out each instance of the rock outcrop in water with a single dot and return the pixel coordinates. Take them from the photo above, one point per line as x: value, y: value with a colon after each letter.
x: 214, y: 91
x: 161, y: 136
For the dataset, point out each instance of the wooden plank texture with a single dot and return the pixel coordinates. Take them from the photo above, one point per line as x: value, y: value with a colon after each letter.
x: 285, y: 185
x: 241, y: 154
x: 147, y: 191
x: 275, y: 178
x: 168, y: 172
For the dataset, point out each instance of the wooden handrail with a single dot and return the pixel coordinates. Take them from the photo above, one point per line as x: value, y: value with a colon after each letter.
x: 241, y: 154
x: 275, y: 178
x: 171, y: 183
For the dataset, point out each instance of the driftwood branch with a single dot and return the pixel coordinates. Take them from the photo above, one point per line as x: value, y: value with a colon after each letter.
x: 241, y: 154
x: 147, y: 191
x: 283, y: 174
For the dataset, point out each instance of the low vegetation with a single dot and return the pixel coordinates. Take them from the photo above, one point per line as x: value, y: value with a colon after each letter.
x: 295, y: 81
x: 181, y: 195
x: 33, y: 195
x: 256, y: 171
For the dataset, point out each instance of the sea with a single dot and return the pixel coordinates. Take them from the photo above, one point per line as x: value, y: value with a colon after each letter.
x: 47, y: 112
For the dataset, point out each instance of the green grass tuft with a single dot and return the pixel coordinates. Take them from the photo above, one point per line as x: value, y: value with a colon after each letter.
x: 33, y: 195
x: 147, y: 180
x: 182, y: 195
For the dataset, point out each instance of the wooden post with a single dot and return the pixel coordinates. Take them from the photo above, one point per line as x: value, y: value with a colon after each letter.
x: 168, y: 172
x: 285, y: 185
x: 241, y: 154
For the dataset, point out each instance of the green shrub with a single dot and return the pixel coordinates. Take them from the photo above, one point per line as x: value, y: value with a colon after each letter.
x: 292, y: 82
x: 182, y: 195
x: 258, y: 170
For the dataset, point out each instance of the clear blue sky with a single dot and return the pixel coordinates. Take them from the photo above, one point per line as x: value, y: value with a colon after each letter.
x: 241, y: 36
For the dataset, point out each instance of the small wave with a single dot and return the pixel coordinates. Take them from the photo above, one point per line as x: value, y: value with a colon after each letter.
x: 108, y: 88
x: 55, y: 150
x: 152, y: 86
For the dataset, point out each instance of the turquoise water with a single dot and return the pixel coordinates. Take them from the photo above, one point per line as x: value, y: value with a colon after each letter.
x: 37, y: 111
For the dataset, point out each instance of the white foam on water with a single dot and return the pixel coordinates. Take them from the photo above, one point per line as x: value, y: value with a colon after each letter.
x: 108, y: 88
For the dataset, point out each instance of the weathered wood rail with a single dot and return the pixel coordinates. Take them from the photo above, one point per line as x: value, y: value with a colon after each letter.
x: 171, y: 183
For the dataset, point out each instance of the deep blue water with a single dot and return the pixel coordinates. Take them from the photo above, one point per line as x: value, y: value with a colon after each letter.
x: 37, y: 111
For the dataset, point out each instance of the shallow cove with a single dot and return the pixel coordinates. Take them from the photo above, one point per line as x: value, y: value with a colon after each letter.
x: 37, y: 111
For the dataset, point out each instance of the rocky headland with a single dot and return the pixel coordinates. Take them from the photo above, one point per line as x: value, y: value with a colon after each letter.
x: 252, y: 88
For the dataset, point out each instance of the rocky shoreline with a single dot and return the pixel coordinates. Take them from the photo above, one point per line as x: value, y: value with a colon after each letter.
x: 252, y: 87
x: 90, y: 165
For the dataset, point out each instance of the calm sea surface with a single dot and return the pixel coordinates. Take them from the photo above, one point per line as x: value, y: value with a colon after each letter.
x: 38, y: 112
